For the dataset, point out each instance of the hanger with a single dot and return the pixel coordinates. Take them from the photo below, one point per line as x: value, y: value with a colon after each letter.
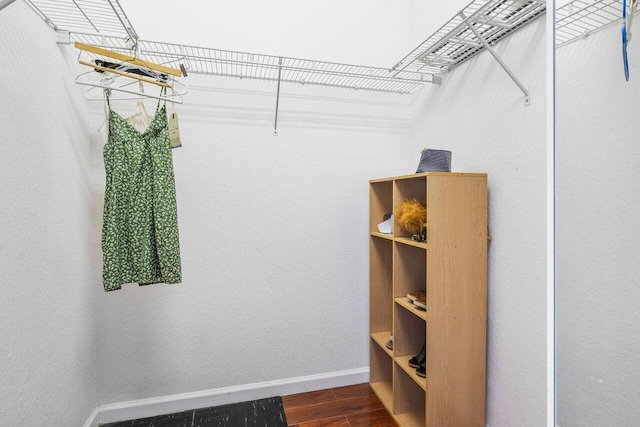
x: 115, y: 83
x: 127, y: 58
x: 625, y: 40
x: 143, y: 71
x: 141, y: 119
x: 125, y: 74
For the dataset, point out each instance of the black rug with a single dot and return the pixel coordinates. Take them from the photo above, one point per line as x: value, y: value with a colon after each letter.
x: 257, y: 413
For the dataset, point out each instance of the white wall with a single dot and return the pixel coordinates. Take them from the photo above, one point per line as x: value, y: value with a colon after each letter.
x: 273, y: 234
x: 48, y: 259
x: 478, y: 113
x: 268, y: 295
x: 598, y: 232
x: 274, y: 230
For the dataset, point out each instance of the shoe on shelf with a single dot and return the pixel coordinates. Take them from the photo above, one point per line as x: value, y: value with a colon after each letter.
x: 420, y: 358
x: 415, y: 295
x: 421, y: 302
x: 422, y: 371
x: 389, y: 344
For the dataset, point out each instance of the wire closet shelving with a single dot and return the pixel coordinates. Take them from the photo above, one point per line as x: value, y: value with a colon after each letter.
x: 218, y: 62
x: 103, y: 23
x: 581, y: 18
x: 456, y: 41
x: 88, y: 16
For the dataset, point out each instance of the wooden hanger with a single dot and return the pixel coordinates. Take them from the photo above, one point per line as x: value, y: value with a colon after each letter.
x: 145, y: 71
x: 126, y: 58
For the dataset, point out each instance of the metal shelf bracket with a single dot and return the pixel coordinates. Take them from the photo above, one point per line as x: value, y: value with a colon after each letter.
x: 527, y: 96
x: 275, y: 123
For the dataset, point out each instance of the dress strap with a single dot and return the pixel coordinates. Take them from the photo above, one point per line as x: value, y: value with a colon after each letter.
x: 107, y: 93
x: 163, y: 91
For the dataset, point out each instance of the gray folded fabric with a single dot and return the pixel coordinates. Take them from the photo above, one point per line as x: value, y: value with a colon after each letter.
x: 434, y: 161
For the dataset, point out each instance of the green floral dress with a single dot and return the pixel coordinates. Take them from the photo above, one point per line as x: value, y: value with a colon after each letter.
x: 140, y: 221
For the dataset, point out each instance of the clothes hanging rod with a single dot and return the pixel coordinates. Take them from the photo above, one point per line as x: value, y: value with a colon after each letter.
x: 108, y: 27
x: 200, y: 60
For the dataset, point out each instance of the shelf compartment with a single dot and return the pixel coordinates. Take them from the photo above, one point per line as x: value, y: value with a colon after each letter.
x: 410, y: 242
x: 409, y: 269
x: 409, y: 332
x: 407, y: 189
x: 380, y: 203
x: 381, y: 285
x: 381, y: 339
x: 384, y: 391
x: 410, y: 307
x: 381, y: 374
x: 380, y: 364
x: 382, y: 235
x: 411, y: 419
x: 403, y: 362
x: 409, y: 399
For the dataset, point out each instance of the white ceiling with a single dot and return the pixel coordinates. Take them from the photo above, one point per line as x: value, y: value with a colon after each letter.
x: 365, y: 32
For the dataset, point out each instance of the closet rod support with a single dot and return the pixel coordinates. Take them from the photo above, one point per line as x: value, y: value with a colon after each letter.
x: 63, y: 37
x: 275, y: 123
x: 527, y: 96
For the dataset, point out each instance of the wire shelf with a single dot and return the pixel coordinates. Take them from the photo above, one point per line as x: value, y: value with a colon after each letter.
x: 201, y: 60
x: 455, y: 42
x: 98, y: 16
x: 580, y: 18
x: 103, y: 23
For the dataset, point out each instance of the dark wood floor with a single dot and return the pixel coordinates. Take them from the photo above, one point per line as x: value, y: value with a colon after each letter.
x: 352, y: 406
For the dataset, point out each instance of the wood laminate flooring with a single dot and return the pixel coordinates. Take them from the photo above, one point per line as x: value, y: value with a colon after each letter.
x: 351, y: 406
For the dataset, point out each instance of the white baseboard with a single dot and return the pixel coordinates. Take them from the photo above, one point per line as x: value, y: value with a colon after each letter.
x: 93, y: 419
x: 221, y: 396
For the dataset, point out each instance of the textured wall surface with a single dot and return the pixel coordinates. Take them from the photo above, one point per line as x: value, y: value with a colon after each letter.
x: 478, y: 113
x: 249, y: 316
x: 273, y: 229
x: 273, y: 234
x: 598, y: 233
x: 47, y: 252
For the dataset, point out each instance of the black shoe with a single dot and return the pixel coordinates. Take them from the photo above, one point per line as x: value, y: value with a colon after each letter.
x: 420, y: 358
x: 389, y: 344
x: 422, y: 371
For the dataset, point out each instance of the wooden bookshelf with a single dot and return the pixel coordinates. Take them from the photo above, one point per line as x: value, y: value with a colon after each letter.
x: 452, y: 266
